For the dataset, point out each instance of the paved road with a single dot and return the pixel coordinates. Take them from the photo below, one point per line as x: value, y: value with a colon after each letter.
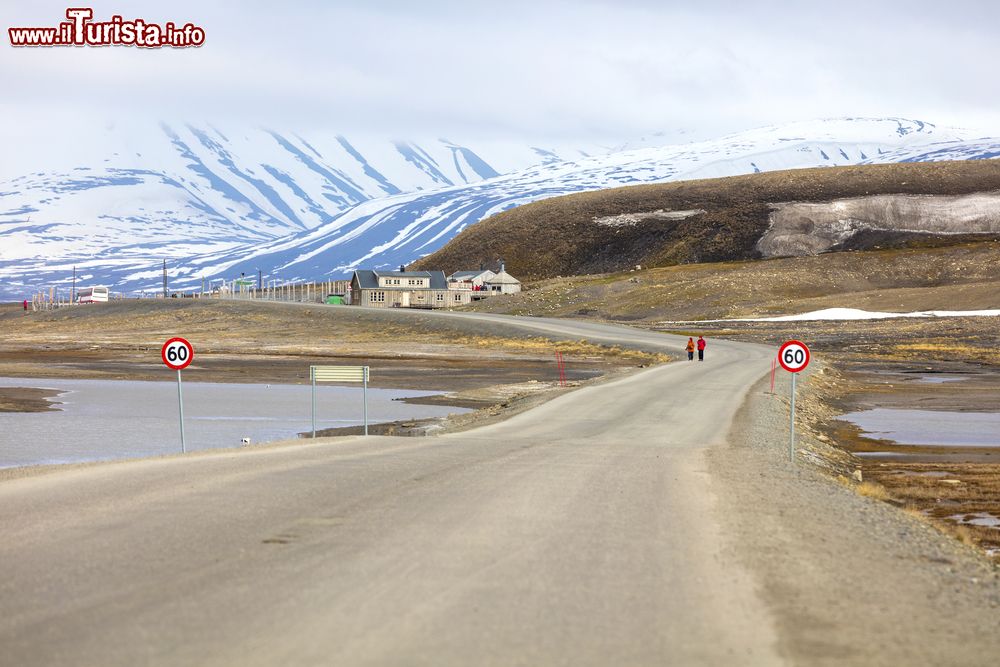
x: 580, y: 532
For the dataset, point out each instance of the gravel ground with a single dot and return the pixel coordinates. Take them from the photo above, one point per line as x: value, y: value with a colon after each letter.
x: 806, y: 537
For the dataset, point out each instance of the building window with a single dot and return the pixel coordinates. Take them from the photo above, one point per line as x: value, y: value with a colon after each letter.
x: 458, y: 297
x: 440, y: 296
x: 378, y: 297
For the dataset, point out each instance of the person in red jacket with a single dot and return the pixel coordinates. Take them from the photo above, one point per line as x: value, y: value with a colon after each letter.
x: 701, y: 348
x: 25, y: 305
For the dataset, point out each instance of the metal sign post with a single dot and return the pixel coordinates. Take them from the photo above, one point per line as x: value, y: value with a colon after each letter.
x: 794, y: 357
x: 177, y: 354
x: 339, y: 374
x: 180, y: 406
x: 791, y: 426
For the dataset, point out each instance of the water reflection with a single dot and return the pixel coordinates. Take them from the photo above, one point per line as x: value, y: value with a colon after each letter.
x: 111, y: 419
x: 929, y: 427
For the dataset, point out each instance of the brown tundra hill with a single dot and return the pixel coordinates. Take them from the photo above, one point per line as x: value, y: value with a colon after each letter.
x: 775, y: 214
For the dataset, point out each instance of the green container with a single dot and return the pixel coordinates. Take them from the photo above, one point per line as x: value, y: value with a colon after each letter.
x: 335, y: 300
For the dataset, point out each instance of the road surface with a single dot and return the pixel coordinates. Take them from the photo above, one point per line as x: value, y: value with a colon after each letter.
x: 580, y: 532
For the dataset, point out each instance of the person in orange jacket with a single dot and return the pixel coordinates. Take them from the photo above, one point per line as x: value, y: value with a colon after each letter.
x: 701, y: 348
x: 690, y: 349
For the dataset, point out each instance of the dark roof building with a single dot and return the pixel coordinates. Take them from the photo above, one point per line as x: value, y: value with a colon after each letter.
x: 403, y: 289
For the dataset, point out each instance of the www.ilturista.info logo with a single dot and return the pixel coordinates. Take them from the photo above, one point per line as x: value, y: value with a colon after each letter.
x: 80, y: 30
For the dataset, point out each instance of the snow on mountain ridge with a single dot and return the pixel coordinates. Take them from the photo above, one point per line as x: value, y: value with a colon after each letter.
x: 298, y: 206
x: 146, y: 190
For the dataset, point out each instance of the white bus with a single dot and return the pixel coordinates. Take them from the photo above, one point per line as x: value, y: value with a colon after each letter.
x: 92, y: 295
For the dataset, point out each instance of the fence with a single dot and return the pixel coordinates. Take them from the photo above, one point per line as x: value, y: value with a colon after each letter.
x: 238, y: 288
x: 274, y: 290
x: 52, y: 299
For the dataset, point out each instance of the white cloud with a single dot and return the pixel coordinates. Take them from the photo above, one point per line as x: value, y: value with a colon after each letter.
x: 594, y: 70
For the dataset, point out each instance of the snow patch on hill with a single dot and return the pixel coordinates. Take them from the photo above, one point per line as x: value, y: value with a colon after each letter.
x: 807, y: 228
x: 841, y: 314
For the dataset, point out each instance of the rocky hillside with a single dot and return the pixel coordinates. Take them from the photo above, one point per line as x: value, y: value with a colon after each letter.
x: 784, y: 213
x: 955, y: 277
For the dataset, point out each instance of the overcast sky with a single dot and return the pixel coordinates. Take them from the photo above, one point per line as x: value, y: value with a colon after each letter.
x: 607, y: 71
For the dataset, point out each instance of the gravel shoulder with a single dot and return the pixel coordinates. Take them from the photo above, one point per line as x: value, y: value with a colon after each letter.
x: 849, y: 579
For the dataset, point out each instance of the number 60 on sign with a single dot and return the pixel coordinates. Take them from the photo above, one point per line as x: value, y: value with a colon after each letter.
x: 177, y: 353
x: 793, y: 356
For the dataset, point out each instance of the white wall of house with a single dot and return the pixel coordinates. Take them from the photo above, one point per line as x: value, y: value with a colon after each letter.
x: 405, y: 282
x: 476, y: 280
x: 503, y: 288
x: 392, y: 298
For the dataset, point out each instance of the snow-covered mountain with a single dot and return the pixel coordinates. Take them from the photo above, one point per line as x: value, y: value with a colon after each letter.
x: 127, y: 193
x: 218, y: 203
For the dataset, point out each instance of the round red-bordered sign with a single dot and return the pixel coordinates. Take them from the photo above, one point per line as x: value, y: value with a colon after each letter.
x: 177, y: 353
x: 793, y: 356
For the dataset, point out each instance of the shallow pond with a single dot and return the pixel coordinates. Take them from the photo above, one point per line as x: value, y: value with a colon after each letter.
x: 941, y: 379
x: 929, y: 427
x: 112, y: 419
x: 985, y: 519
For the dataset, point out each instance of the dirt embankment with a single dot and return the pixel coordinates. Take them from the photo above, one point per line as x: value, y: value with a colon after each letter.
x: 963, y: 277
x: 954, y: 487
x: 563, y: 236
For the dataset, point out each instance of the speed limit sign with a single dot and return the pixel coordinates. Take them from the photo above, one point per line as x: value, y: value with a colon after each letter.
x: 793, y: 356
x: 177, y: 353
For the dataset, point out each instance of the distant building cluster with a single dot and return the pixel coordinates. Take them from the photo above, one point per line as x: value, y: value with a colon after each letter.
x: 428, y: 289
x: 373, y: 288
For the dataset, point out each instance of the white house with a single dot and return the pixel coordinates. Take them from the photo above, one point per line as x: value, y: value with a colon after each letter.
x: 502, y: 283
x: 469, y: 279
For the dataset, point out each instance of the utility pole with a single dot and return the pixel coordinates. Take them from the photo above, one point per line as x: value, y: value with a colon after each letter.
x: 72, y: 290
x: 164, y: 279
